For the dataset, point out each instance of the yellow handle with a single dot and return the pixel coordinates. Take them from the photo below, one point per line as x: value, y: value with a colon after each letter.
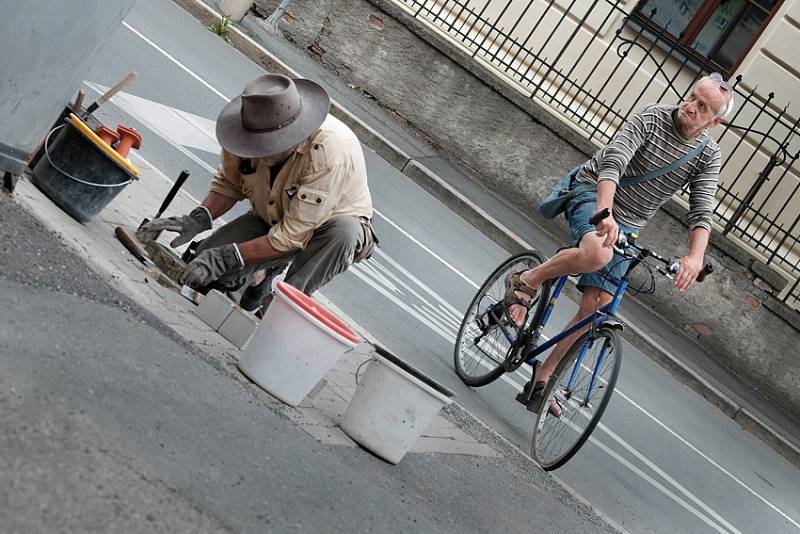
x: 102, y: 145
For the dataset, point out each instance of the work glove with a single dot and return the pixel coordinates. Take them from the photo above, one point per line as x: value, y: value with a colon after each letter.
x: 187, y: 226
x: 212, y: 264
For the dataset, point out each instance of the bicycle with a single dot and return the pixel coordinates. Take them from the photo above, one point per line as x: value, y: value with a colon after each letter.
x: 584, y: 379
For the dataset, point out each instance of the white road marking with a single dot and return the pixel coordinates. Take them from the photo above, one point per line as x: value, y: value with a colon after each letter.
x: 474, y: 285
x: 706, y: 457
x: 134, y: 112
x: 656, y: 484
x: 429, y: 251
x: 177, y: 125
x: 627, y: 446
x: 178, y: 63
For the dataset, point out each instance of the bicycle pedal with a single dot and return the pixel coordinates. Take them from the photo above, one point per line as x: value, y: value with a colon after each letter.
x: 524, y: 396
x: 495, y: 313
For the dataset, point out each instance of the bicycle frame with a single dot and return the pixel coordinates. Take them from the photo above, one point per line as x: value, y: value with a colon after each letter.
x: 609, y: 310
x: 596, y: 319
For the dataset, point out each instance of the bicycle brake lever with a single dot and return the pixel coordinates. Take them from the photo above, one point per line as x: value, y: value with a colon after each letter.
x: 621, y: 244
x: 672, y: 269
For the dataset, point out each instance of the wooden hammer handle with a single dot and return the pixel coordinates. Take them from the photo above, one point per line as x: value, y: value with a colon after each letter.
x: 111, y: 92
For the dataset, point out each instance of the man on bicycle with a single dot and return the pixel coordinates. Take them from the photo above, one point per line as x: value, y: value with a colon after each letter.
x: 653, y: 138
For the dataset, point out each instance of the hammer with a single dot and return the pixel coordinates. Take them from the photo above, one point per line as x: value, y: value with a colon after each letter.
x: 105, y: 97
x: 134, y: 242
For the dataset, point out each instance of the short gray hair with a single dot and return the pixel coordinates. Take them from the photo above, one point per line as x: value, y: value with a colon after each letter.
x: 727, y: 109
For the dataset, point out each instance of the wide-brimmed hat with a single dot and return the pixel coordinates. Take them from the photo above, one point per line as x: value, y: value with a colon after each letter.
x: 274, y: 113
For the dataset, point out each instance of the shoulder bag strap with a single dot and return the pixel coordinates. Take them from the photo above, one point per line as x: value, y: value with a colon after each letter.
x: 668, y: 168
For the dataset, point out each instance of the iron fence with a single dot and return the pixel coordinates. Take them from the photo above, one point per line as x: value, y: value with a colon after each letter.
x: 595, y: 63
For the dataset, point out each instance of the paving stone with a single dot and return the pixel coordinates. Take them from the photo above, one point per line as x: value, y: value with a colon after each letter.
x: 238, y: 327
x: 214, y: 309
x: 317, y: 389
x: 203, y: 337
x: 451, y: 446
x: 341, y: 378
x: 346, y: 392
x: 343, y: 394
x: 436, y: 430
x: 327, y: 396
x: 310, y: 416
x: 328, y: 435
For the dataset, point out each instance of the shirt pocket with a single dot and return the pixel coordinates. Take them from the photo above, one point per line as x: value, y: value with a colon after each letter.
x: 310, y: 204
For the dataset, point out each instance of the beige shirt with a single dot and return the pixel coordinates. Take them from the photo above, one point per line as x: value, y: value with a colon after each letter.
x: 324, y: 177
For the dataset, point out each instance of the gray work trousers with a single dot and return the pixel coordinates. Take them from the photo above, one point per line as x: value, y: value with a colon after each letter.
x: 330, y: 252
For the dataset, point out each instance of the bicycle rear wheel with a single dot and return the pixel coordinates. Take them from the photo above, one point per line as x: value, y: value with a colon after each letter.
x: 557, y: 439
x: 481, y: 346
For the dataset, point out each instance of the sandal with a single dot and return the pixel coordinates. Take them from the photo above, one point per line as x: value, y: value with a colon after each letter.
x: 514, y: 285
x: 555, y: 408
x: 531, y: 398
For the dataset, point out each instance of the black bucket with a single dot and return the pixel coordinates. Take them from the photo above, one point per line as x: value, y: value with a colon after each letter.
x: 77, y: 174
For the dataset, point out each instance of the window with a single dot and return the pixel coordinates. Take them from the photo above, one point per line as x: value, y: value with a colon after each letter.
x: 722, y: 31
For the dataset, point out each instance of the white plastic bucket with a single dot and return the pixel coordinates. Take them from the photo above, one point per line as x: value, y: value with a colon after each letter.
x: 297, y: 342
x: 393, y: 404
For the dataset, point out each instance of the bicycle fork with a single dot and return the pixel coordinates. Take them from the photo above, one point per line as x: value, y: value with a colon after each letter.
x: 579, y: 361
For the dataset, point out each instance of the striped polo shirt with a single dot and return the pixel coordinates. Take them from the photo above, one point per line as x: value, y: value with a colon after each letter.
x: 648, y: 141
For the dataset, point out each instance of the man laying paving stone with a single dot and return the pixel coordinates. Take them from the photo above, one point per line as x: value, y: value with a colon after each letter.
x: 304, y: 173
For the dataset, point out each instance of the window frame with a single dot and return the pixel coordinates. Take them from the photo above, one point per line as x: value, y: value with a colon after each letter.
x: 695, y: 26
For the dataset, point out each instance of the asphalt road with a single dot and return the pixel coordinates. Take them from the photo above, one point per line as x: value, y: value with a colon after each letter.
x: 662, y: 460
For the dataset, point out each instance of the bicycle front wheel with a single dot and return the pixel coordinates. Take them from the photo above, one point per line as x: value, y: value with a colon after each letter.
x: 557, y: 439
x: 482, y: 344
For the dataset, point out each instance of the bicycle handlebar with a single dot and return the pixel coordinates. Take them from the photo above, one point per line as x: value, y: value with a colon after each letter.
x: 672, y: 266
x: 599, y: 216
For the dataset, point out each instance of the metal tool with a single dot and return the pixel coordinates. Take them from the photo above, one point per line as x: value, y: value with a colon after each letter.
x: 128, y: 239
x: 78, y: 101
x: 184, y: 175
x: 105, y: 97
x: 132, y: 240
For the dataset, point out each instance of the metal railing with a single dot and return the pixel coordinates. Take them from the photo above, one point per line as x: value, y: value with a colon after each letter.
x: 567, y: 56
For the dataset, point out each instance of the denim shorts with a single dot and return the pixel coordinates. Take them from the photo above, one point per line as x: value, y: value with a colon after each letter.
x: 579, y: 209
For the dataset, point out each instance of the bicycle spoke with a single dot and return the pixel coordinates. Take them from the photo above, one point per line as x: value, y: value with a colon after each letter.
x: 556, y: 439
x: 484, y: 339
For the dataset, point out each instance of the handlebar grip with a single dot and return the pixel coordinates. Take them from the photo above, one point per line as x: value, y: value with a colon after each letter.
x: 707, y: 269
x: 599, y: 216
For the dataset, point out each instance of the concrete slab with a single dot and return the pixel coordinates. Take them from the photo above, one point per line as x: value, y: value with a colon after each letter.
x: 449, y: 446
x: 214, y: 309
x: 238, y: 327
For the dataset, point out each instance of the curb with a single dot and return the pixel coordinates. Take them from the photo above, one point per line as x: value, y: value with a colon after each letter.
x: 504, y: 237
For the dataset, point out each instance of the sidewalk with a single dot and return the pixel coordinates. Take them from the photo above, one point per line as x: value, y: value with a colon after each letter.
x: 400, y: 146
x: 456, y: 451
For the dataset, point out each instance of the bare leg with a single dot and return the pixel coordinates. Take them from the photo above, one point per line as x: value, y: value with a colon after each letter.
x: 588, y: 256
x: 593, y: 299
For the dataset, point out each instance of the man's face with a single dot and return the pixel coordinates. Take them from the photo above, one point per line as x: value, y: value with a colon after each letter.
x: 700, y: 109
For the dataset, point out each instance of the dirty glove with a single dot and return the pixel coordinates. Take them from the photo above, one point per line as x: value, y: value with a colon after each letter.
x: 211, y: 264
x: 187, y: 226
